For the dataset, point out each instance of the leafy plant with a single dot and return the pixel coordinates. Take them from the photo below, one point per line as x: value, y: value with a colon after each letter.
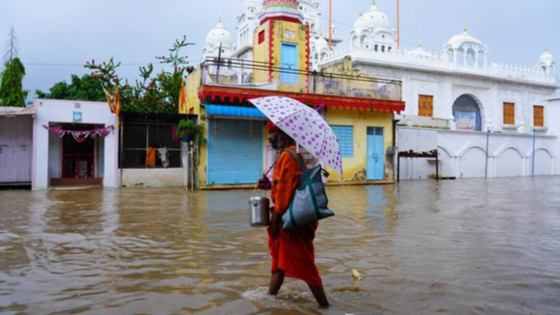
x: 187, y: 128
x: 153, y: 93
x: 11, y: 91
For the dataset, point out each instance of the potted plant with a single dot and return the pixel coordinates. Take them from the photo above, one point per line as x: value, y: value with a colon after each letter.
x: 188, y: 131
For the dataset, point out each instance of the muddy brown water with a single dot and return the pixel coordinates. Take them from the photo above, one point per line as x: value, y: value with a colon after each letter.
x: 454, y: 247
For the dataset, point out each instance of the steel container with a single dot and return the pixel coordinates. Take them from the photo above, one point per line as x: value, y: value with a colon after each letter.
x: 259, y: 211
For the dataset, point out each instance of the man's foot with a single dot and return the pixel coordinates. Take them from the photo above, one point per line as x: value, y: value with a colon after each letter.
x: 319, y: 294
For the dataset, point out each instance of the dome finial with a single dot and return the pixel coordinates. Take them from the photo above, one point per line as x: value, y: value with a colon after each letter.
x: 373, y: 2
x: 419, y: 43
x: 220, y: 18
x: 361, y: 12
x: 465, y: 27
x: 321, y: 32
x: 545, y: 47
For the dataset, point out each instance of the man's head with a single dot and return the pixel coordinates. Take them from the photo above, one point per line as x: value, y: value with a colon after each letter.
x: 277, y: 138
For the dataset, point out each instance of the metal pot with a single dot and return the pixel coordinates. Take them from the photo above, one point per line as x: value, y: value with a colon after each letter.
x: 259, y: 211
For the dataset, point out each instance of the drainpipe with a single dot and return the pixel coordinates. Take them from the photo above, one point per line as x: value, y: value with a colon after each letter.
x: 534, y: 140
x: 487, y: 143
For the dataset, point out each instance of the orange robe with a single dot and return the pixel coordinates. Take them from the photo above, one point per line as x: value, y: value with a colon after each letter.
x: 151, y: 157
x: 292, y: 251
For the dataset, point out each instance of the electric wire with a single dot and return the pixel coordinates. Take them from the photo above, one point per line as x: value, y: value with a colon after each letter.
x: 421, y: 21
x: 442, y: 19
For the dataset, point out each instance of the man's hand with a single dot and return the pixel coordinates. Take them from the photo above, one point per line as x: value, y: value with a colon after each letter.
x: 274, y: 222
x: 264, y: 183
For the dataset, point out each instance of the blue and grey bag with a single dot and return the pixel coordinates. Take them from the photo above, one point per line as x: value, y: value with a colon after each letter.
x: 310, y: 199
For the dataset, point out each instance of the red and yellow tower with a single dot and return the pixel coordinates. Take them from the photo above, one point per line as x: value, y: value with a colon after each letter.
x: 282, y: 42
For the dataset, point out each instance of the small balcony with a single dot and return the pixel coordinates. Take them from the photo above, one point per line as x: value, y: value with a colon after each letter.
x: 235, y: 81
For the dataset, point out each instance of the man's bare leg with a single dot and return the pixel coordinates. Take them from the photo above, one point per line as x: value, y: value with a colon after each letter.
x: 276, y: 282
x: 319, y: 294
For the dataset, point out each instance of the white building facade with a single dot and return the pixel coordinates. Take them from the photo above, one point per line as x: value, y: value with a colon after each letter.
x: 62, y: 154
x: 491, y: 120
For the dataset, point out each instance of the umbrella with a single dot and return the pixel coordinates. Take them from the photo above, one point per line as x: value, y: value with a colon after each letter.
x: 303, y: 124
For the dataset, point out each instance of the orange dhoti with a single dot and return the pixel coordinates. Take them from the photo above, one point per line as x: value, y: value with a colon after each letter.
x: 292, y: 251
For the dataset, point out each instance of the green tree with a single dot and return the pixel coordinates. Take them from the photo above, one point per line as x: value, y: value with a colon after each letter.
x: 11, y: 91
x: 86, y: 88
x: 153, y: 93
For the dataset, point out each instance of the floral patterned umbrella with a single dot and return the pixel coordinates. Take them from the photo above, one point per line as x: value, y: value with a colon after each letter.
x: 305, y: 126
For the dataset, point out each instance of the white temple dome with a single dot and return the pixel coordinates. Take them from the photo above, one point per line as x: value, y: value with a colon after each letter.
x: 219, y: 35
x: 321, y: 43
x: 547, y: 57
x: 376, y: 19
x: 420, y: 53
x: 464, y: 38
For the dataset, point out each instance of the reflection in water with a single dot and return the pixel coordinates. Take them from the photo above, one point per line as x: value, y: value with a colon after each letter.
x: 453, y: 247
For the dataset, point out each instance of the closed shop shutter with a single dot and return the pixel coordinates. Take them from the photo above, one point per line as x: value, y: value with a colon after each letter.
x: 16, y: 149
x: 235, y: 151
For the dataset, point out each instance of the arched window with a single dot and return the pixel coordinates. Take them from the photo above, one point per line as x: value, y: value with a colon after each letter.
x: 355, y: 41
x: 312, y: 28
x: 449, y: 54
x: 383, y: 48
x: 467, y: 113
x: 471, y: 58
x: 481, y: 59
x: 460, y: 56
x: 323, y: 56
x: 316, y: 56
x: 376, y: 47
x: 365, y: 42
x: 543, y: 69
x: 389, y: 49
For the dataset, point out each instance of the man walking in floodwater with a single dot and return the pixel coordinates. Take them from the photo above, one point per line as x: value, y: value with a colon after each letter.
x: 292, y: 252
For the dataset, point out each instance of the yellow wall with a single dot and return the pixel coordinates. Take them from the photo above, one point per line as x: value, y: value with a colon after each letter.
x: 283, y: 32
x: 192, y: 85
x: 261, y: 52
x: 355, y: 168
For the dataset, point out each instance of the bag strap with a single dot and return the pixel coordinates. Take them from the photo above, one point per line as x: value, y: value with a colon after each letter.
x: 298, y: 159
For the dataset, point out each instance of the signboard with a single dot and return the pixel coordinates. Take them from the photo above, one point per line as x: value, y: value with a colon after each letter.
x: 77, y: 117
x: 465, y: 120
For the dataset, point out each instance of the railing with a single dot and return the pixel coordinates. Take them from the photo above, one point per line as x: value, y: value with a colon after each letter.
x: 251, y: 74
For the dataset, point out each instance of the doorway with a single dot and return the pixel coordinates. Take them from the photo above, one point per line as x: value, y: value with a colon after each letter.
x: 375, y: 153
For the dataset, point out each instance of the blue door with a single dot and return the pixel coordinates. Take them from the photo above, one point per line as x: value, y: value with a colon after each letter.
x: 375, y: 154
x: 289, y: 60
x: 235, y: 152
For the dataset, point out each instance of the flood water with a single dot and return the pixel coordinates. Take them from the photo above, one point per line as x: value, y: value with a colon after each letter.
x: 454, y: 247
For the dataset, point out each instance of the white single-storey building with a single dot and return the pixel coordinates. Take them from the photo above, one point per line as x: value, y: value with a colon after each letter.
x: 75, y: 144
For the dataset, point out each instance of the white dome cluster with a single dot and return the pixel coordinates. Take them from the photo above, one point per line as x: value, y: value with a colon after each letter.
x: 546, y: 64
x: 219, y: 36
x: 371, y: 31
x: 372, y: 19
x: 463, y: 49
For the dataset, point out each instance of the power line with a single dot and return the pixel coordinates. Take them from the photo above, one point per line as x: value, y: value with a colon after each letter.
x: 442, y: 19
x: 82, y: 65
x: 421, y: 21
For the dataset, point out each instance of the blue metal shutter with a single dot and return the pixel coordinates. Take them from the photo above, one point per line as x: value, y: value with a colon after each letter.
x: 345, y: 136
x: 235, y: 151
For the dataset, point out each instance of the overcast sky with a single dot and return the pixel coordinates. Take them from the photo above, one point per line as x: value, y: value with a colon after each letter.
x: 57, y: 37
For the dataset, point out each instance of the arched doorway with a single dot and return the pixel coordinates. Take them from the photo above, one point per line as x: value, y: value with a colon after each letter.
x: 467, y: 114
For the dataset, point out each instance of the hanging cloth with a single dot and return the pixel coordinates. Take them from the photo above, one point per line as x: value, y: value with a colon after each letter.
x: 151, y: 157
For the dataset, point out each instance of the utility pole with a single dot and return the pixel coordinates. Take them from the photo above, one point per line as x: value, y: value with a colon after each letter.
x: 398, y: 25
x: 330, y: 24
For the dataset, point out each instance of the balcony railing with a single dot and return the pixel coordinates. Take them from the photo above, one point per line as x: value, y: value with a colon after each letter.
x: 259, y: 75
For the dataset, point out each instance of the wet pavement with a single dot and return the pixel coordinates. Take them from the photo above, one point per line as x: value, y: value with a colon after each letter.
x: 454, y: 247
